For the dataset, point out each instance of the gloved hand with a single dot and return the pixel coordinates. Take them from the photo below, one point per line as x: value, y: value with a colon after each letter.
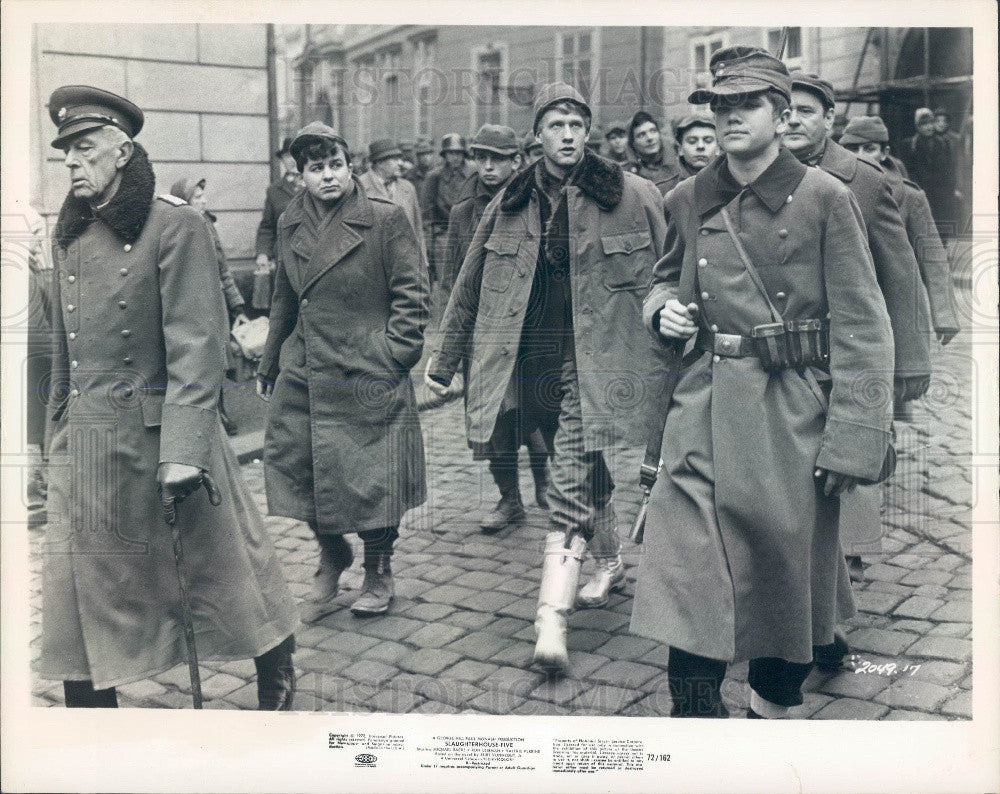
x: 177, y: 481
x: 945, y: 335
x: 911, y: 387
x: 834, y: 483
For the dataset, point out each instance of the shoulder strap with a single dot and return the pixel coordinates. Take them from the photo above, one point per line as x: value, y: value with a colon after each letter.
x: 748, y: 264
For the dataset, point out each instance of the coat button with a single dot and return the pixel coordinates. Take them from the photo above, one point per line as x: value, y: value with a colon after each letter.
x: 704, y: 232
x: 74, y: 393
x: 781, y: 295
x: 72, y: 335
x: 126, y: 333
x: 122, y: 304
x: 705, y: 296
x: 783, y: 233
x: 71, y: 278
x: 305, y: 302
x: 123, y: 271
x: 788, y: 200
x: 74, y: 364
x: 127, y: 359
x: 128, y: 247
x: 716, y: 359
x: 70, y: 307
x: 628, y: 246
x: 715, y: 328
x: 127, y: 392
x: 504, y: 351
x: 702, y: 262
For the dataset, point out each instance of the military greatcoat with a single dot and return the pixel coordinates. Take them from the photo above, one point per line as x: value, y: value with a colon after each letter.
x: 741, y: 557
x: 138, y: 360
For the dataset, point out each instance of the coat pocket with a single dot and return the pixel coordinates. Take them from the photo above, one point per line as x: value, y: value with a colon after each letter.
x: 628, y: 260
x: 500, y: 263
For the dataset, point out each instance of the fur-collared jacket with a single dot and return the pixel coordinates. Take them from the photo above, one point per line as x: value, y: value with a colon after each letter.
x: 616, y: 231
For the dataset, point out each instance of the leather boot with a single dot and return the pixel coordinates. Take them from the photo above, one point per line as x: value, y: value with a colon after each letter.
x: 560, y: 576
x: 830, y: 658
x: 378, y: 589
x: 540, y: 472
x: 509, y: 511
x: 276, y: 677
x: 335, y: 557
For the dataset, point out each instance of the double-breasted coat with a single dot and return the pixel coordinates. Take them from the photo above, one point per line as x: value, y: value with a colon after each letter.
x: 343, y: 447
x: 617, y: 230
x: 741, y: 557
x: 137, y: 364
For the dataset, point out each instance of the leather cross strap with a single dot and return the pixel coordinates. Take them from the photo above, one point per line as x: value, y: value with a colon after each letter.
x: 748, y: 264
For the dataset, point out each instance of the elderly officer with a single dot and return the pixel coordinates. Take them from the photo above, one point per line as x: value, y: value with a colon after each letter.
x: 497, y: 156
x: 651, y: 155
x: 694, y: 138
x: 384, y: 180
x: 765, y: 428
x: 138, y: 321
x: 545, y: 310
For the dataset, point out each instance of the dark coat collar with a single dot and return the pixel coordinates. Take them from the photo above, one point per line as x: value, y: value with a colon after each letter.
x: 839, y: 161
x: 601, y: 180
x: 125, y: 214
x: 357, y: 211
x: 715, y: 186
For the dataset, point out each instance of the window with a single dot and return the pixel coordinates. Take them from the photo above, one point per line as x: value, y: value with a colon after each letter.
x: 489, y: 65
x: 390, y: 63
x: 702, y: 50
x: 576, y: 53
x: 424, y: 53
x: 793, y: 55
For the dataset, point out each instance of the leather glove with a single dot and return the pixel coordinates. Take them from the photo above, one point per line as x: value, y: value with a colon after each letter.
x: 177, y: 481
x: 945, y: 335
x: 912, y: 387
x: 834, y: 483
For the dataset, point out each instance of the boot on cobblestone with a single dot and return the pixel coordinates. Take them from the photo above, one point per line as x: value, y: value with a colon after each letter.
x: 276, y: 677
x: 540, y: 472
x: 833, y: 657
x: 609, y: 574
x: 377, y: 590
x: 509, y: 511
x: 560, y: 577
x: 335, y: 557
x: 855, y: 567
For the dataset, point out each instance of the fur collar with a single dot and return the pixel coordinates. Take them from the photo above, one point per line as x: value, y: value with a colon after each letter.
x: 127, y: 211
x: 602, y: 180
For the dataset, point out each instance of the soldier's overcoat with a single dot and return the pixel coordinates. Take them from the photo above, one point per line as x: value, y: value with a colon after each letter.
x: 138, y: 360
x: 741, y: 557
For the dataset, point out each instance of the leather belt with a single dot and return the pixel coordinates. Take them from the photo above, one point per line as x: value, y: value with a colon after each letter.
x: 729, y: 345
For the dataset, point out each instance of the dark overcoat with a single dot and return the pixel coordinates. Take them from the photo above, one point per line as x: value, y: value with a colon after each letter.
x: 276, y: 198
x: 343, y: 447
x: 741, y: 558
x: 138, y: 361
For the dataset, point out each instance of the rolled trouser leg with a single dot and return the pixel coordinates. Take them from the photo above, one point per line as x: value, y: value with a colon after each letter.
x: 82, y: 695
x: 560, y: 575
x: 775, y: 686
x: 609, y: 569
x: 695, y: 685
x: 335, y: 557
x: 378, y: 588
x: 276, y: 676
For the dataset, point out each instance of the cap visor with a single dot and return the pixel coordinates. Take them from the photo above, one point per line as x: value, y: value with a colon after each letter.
x: 504, y: 152
x: 75, y: 129
x: 848, y: 138
x: 734, y: 87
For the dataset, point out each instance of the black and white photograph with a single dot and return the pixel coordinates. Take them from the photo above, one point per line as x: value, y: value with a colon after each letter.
x: 440, y: 377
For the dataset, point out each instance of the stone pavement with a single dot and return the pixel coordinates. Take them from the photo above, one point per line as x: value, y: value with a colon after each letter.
x: 459, y: 636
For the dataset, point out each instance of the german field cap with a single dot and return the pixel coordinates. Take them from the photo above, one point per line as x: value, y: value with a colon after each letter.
x: 313, y: 132
x: 817, y: 85
x: 618, y: 125
x: 697, y: 119
x: 550, y: 93
x: 452, y: 142
x: 865, y: 129
x: 495, y: 138
x: 76, y: 109
x: 743, y: 70
x: 922, y: 114
x: 184, y: 188
x: 383, y: 148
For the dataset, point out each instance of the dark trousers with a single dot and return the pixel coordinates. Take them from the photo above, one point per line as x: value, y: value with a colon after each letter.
x: 696, y: 683
x: 508, y: 436
x: 378, y: 543
x: 82, y: 695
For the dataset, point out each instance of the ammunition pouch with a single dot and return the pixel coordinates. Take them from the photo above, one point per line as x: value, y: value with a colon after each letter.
x: 794, y: 344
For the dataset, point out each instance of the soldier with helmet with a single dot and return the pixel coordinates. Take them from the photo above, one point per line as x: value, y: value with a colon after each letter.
x: 442, y: 188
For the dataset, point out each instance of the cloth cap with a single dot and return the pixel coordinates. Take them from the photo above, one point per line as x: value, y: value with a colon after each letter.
x: 406, y: 147
x: 311, y: 133
x: 76, y: 109
x: 640, y: 118
x: 618, y: 125
x: 452, y: 142
x: 923, y: 114
x: 496, y: 138
x: 550, y: 93
x: 424, y: 146
x: 816, y: 85
x: 743, y: 70
x: 942, y: 112
x: 530, y: 142
x: 697, y: 119
x: 381, y: 149
x: 865, y: 129
x: 184, y: 188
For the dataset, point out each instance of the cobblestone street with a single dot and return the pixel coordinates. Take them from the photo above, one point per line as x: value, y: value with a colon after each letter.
x: 459, y: 635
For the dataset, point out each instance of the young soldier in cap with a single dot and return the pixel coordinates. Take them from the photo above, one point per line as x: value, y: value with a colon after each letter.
x: 343, y: 450
x: 497, y: 156
x: 384, y: 180
x: 276, y: 198
x: 694, y: 138
x: 443, y: 187
x: 931, y: 165
x: 868, y: 137
x: 616, y: 136
x: 138, y: 325
x: 651, y: 155
x: 768, y: 422
x: 532, y: 149
x: 544, y: 310
x: 418, y: 174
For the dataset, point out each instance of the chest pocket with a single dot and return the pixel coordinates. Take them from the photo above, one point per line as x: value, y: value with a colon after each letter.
x: 500, y: 262
x: 628, y: 260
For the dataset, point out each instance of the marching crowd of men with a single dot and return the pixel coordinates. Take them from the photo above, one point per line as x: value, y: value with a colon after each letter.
x: 738, y: 307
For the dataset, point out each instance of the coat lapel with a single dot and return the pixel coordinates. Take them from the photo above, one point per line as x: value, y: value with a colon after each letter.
x: 338, y: 237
